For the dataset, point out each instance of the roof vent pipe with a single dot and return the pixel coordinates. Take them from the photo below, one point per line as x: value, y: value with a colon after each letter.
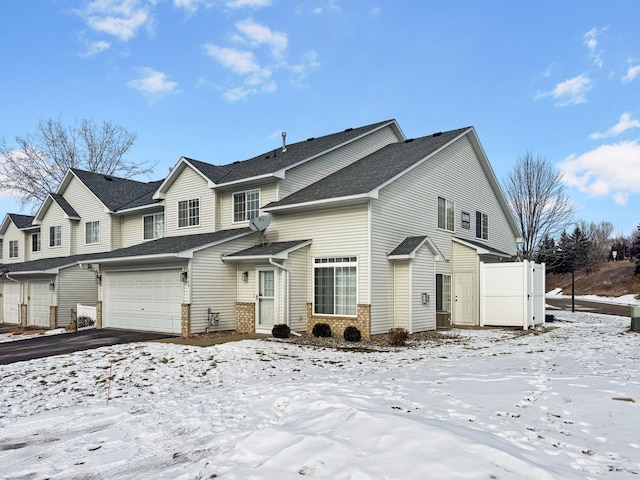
x: 284, y: 142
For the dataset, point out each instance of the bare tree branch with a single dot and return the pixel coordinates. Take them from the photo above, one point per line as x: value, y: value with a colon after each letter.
x: 37, y: 163
x: 539, y: 201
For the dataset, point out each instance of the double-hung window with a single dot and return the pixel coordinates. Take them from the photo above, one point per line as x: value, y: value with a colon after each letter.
x: 153, y: 226
x: 55, y: 236
x: 443, y: 293
x: 246, y: 205
x: 13, y: 248
x: 482, y: 225
x: 92, y: 232
x: 445, y: 214
x: 189, y: 213
x: 35, y: 242
x: 335, y: 286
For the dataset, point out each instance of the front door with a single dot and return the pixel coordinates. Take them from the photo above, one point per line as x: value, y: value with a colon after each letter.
x: 266, y: 300
x: 463, y: 298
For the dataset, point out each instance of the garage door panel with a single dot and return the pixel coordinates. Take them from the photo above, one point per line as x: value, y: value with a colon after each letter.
x: 147, y: 300
x: 11, y: 303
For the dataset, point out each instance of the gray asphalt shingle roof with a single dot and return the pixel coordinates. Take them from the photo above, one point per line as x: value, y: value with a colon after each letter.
x: 408, y: 245
x: 268, y: 249
x: 492, y: 251
x: 66, y: 207
x: 276, y: 159
x: 21, y: 221
x: 372, y: 171
x: 114, y: 192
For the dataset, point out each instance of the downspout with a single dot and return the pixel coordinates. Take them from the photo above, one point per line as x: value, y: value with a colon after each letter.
x: 9, y: 278
x: 287, y: 305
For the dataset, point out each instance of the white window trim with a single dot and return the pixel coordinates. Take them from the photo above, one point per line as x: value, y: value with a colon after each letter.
x: 178, y: 212
x: 484, y: 228
x: 233, y: 204
x: 448, y: 294
x: 59, y: 245
x: 453, y: 219
x: 85, y: 232
x: 164, y: 226
x: 351, y: 263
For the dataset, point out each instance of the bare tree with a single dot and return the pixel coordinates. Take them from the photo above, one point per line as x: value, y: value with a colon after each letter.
x: 599, y: 242
x: 38, y: 163
x: 539, y: 202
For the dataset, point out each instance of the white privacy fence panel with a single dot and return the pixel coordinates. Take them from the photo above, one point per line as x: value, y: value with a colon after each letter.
x: 86, y: 316
x: 512, y: 294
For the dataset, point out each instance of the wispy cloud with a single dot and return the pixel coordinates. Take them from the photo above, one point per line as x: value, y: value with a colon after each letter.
x: 153, y: 84
x: 247, y: 3
x: 94, y: 48
x: 625, y: 123
x: 249, y: 60
x: 631, y: 74
x: 609, y: 170
x: 569, y: 92
x: 590, y: 40
x: 119, y: 18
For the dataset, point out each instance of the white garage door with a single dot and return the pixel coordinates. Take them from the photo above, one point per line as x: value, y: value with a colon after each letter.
x: 39, y: 302
x: 144, y: 300
x: 11, y: 302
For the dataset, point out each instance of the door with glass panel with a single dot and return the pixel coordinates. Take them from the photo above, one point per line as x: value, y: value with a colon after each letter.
x: 266, y: 299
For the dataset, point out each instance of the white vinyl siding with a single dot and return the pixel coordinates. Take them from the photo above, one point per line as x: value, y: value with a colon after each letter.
x: 90, y: 209
x: 54, y: 217
x: 14, y: 241
x: 189, y: 185
x: 132, y: 227
x: 423, y: 315
x: 73, y: 286
x: 213, y: 284
x: 312, y: 171
x: 454, y: 173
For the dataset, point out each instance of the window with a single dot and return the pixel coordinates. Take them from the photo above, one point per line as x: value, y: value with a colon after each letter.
x: 189, y: 213
x: 13, y: 248
x: 335, y: 282
x: 246, y: 205
x: 482, y: 225
x: 445, y: 214
x: 465, y: 220
x: 443, y: 293
x: 153, y: 226
x: 35, y: 242
x: 55, y: 236
x: 92, y: 232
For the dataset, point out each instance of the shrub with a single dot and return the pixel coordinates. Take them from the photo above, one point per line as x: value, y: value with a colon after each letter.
x: 321, y: 330
x: 85, y: 321
x: 281, y: 331
x: 352, y: 334
x: 398, y: 336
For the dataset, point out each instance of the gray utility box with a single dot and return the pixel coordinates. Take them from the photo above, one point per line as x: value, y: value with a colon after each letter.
x: 635, y: 319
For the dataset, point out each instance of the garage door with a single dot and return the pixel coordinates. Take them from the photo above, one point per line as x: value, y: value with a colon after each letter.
x: 11, y: 302
x: 144, y: 300
x: 39, y: 302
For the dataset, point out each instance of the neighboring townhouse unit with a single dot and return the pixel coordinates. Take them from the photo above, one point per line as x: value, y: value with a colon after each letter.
x: 362, y: 227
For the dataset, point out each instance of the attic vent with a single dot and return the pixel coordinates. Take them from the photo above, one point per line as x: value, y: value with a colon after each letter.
x: 108, y: 179
x: 348, y: 129
x: 408, y: 140
x: 310, y: 138
x: 437, y: 134
x: 237, y: 161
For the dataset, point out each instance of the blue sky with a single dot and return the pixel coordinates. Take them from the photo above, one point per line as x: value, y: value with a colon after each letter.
x: 220, y: 80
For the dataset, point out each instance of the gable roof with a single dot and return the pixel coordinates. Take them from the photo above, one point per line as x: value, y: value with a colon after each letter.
x: 274, y: 162
x: 362, y: 178
x: 112, y: 192
x: 22, y: 222
x: 483, y: 249
x: 409, y: 246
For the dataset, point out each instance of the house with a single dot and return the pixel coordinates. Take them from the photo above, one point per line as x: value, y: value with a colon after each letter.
x: 362, y: 227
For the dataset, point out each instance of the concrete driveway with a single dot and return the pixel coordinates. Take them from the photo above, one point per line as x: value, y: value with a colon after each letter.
x: 593, y: 307
x: 49, y: 345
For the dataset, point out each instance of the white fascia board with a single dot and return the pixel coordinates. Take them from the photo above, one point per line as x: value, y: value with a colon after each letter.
x: 161, y: 191
x: 277, y: 174
x: 353, y: 198
x: 150, y: 206
x: 439, y: 257
x: 37, y: 219
x: 284, y: 255
x: 137, y: 258
x: 5, y: 224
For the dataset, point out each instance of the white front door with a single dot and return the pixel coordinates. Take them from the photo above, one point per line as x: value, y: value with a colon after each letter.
x: 39, y: 303
x: 11, y: 302
x: 266, y: 300
x: 463, y: 298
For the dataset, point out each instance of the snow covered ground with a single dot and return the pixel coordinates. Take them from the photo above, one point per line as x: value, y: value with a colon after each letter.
x: 479, y: 404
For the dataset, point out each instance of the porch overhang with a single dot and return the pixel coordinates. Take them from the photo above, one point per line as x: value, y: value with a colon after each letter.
x: 483, y: 249
x: 407, y: 249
